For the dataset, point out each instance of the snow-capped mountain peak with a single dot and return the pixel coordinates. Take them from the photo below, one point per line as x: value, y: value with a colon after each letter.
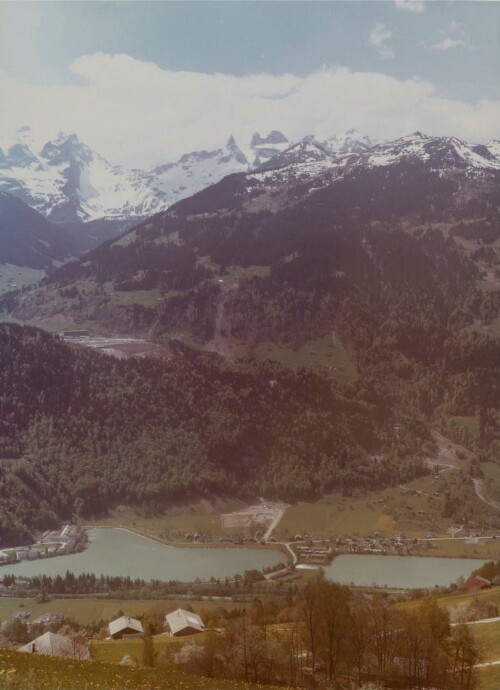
x: 235, y: 151
x: 20, y: 155
x: 442, y: 152
x: 349, y: 142
x: 262, y: 149
x: 311, y: 149
x: 66, y: 181
x: 493, y: 147
x: 274, y: 138
x: 66, y: 148
x: 307, y: 150
x: 196, y: 170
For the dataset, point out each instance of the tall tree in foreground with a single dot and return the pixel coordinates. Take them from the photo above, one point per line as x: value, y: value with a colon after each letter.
x: 463, y: 656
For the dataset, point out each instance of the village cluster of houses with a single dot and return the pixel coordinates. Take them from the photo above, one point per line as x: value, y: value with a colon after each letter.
x: 178, y: 623
x: 51, y: 543
x: 314, y: 555
x: 315, y: 551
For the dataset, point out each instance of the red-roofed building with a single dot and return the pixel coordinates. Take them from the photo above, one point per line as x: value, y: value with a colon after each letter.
x: 476, y: 582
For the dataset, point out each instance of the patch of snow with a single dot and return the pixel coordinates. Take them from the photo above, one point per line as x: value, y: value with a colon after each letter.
x: 493, y: 147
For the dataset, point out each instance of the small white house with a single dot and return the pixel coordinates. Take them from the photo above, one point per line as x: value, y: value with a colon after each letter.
x: 125, y: 627
x: 183, y: 622
x: 57, y: 645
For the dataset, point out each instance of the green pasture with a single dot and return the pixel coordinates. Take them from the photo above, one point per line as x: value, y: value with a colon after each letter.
x: 18, y: 276
x: 125, y: 240
x: 469, y: 423
x: 145, y: 298
x: 84, y: 610
x: 387, y: 512
x: 235, y: 274
x: 324, y: 352
x: 113, y: 651
x: 487, y: 636
x: 488, y: 678
x: 203, y: 517
x: 453, y: 601
x: 458, y: 548
x: 491, y: 482
x: 20, y: 671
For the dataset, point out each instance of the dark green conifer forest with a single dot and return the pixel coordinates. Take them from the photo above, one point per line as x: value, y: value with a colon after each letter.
x: 81, y: 431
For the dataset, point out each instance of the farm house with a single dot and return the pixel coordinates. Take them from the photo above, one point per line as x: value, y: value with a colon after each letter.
x: 52, y: 644
x: 125, y: 627
x: 183, y: 622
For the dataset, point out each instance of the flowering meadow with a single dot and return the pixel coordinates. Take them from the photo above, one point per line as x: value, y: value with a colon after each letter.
x: 20, y: 671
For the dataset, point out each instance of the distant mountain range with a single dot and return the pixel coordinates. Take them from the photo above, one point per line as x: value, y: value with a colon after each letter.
x: 90, y: 200
x: 67, y: 182
x: 279, y: 223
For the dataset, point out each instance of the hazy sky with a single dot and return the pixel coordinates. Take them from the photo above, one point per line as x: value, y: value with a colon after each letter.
x: 143, y: 82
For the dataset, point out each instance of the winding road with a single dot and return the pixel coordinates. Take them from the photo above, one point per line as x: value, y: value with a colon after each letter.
x: 479, y: 493
x: 445, y: 445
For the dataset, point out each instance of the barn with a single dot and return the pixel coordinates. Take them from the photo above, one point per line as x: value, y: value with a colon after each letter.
x: 476, y: 582
x: 125, y: 627
x: 183, y: 622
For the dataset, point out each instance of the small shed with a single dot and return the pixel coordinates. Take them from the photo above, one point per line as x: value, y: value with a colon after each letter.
x: 52, y: 644
x: 183, y: 622
x: 125, y: 627
x: 476, y: 582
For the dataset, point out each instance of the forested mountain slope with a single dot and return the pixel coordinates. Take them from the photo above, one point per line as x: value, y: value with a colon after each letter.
x: 28, y: 239
x: 395, y: 249
x: 391, y: 220
x: 81, y: 431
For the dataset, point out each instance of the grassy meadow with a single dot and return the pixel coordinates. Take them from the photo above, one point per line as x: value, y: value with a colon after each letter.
x: 19, y: 276
x: 88, y: 609
x: 453, y: 601
x: 491, y: 481
x: 487, y: 636
x: 203, y: 516
x: 488, y: 678
x: 388, y: 512
x: 113, y: 651
x: 84, y: 610
x: 323, y: 352
x: 32, y: 672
